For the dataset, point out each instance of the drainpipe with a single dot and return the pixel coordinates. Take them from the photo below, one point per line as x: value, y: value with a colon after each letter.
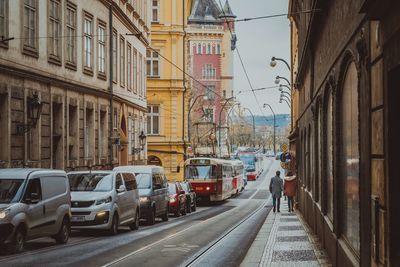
x: 184, y: 79
x: 111, y: 123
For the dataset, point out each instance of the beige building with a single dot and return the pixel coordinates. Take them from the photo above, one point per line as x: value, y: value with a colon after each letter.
x: 82, y: 64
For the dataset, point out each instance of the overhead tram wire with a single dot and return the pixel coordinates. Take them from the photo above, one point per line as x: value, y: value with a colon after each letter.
x: 241, y: 62
x: 277, y: 15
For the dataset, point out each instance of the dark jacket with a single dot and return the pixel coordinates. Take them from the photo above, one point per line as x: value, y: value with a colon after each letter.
x: 276, y: 187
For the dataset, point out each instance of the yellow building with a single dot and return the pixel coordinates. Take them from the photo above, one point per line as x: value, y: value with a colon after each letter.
x: 166, y: 91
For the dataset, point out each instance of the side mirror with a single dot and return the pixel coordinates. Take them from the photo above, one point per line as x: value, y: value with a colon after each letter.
x: 156, y: 186
x: 182, y: 192
x: 121, y: 188
x: 33, y: 198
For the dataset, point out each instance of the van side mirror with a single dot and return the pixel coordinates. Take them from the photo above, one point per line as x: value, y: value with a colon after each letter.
x: 157, y: 186
x: 121, y: 188
x: 33, y: 198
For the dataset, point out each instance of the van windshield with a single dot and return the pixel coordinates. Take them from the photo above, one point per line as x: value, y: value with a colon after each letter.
x: 96, y: 182
x: 10, y: 190
x: 143, y: 180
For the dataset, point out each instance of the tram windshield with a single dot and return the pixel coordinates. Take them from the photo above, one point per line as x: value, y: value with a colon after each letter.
x: 201, y: 172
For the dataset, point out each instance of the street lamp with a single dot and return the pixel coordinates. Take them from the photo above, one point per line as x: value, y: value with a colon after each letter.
x: 284, y: 93
x: 278, y: 80
x: 265, y: 105
x: 190, y: 109
x: 219, y: 122
x: 283, y: 99
x: 34, y: 110
x: 284, y: 85
x: 274, y: 59
x: 283, y: 96
x: 142, y: 143
x: 254, y: 126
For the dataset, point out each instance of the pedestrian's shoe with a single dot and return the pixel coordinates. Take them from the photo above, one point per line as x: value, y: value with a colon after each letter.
x: 279, y: 211
x: 274, y: 209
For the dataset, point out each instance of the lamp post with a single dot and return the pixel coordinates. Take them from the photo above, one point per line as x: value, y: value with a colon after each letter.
x: 219, y: 123
x: 274, y: 125
x: 34, y: 110
x: 284, y: 93
x: 190, y: 109
x: 254, y: 126
x: 283, y: 99
x: 284, y: 85
x: 283, y: 96
x: 274, y: 59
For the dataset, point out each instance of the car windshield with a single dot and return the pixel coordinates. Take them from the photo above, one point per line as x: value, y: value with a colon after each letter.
x: 92, y: 182
x: 200, y: 172
x: 10, y: 189
x: 143, y: 180
x: 185, y: 187
x: 172, y: 188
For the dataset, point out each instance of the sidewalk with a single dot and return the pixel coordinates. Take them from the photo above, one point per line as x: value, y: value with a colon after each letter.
x: 285, y: 240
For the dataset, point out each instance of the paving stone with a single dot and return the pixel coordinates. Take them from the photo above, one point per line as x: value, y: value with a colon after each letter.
x: 289, y: 220
x: 290, y: 228
x: 295, y: 264
x: 285, y: 246
x: 291, y: 238
x: 289, y: 214
x: 294, y: 255
x: 292, y: 233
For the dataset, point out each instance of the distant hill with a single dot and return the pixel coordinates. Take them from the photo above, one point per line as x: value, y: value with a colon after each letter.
x: 282, y: 120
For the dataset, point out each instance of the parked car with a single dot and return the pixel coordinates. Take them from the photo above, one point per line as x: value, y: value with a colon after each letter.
x: 191, y: 197
x: 34, y: 203
x: 177, y: 199
x: 153, y: 191
x: 104, y: 200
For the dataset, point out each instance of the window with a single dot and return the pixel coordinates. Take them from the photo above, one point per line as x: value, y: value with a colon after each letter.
x: 135, y: 72
x: 155, y: 11
x: 130, y: 134
x: 130, y: 181
x: 101, y: 49
x: 152, y: 63
x: 210, y: 92
x: 87, y: 42
x: 199, y: 49
x: 208, y: 49
x: 141, y: 72
x: 70, y: 32
x: 3, y: 20
x: 115, y: 58
x: 350, y: 158
x: 34, y: 187
x: 329, y: 159
x: 30, y: 26
x: 224, y: 93
x: 218, y: 49
x: 54, y: 44
x: 122, y: 60
x: 209, y: 72
x: 129, y: 66
x: 153, y: 119
x: 118, y: 181
x: 209, y: 114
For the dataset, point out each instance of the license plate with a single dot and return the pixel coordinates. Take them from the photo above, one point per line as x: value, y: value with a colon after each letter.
x: 199, y: 188
x: 78, y: 218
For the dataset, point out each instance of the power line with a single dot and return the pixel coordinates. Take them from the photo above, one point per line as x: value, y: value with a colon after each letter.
x: 277, y: 15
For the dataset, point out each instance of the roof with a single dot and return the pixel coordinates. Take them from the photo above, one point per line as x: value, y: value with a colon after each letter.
x: 205, y: 12
x: 227, y: 11
x: 23, y: 173
x: 139, y: 168
x: 88, y: 171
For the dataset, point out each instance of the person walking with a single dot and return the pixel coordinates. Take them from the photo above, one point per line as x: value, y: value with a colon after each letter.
x: 276, y: 188
x: 289, y: 189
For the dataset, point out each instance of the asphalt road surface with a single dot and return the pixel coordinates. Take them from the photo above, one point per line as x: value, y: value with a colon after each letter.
x: 215, y: 235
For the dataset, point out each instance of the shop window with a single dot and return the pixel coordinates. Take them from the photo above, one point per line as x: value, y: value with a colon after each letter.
x: 329, y: 159
x: 58, y: 157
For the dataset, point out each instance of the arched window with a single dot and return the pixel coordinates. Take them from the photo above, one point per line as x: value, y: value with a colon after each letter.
x: 329, y: 158
x: 350, y: 158
x: 199, y: 49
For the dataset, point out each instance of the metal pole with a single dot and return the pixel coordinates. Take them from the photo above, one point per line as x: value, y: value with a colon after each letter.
x: 219, y: 123
x: 281, y: 59
x: 274, y: 126
x: 254, y: 126
x: 190, y: 109
x: 111, y: 123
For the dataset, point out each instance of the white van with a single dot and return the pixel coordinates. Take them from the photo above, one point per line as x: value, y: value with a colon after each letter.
x: 104, y: 200
x: 34, y: 203
x: 153, y: 191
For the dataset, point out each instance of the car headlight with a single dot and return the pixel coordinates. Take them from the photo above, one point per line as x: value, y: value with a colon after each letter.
x: 4, y: 213
x: 144, y: 199
x: 103, y: 201
x: 172, y: 200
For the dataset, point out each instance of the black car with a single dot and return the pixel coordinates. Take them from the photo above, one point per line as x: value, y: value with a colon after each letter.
x: 190, y: 196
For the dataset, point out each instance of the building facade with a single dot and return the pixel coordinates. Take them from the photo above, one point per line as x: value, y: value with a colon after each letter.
x: 345, y: 60
x: 167, y: 91
x: 210, y: 31
x: 84, y: 74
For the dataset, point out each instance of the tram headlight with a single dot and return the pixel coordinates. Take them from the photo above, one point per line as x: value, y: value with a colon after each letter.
x: 208, y: 188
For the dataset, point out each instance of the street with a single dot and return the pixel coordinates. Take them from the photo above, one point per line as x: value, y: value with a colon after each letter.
x: 218, y: 234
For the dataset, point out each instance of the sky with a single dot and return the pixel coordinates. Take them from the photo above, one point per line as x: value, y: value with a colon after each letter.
x: 258, y: 41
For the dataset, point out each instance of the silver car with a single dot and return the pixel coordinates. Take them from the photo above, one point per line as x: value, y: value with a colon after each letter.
x: 34, y: 203
x: 104, y: 200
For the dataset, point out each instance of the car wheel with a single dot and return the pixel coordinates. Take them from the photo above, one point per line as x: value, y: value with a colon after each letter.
x: 194, y: 206
x: 188, y: 208
x: 114, y: 225
x: 135, y: 224
x: 165, y: 217
x: 152, y: 218
x: 63, y: 234
x: 18, y: 243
